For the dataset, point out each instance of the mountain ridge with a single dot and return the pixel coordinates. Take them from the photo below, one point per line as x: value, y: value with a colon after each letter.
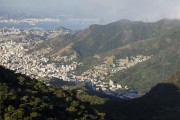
x: 123, y: 39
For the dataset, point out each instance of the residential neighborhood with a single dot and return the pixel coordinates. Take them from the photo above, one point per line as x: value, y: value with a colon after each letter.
x: 15, y: 56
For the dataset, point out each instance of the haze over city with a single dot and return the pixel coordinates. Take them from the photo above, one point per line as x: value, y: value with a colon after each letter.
x: 98, y: 11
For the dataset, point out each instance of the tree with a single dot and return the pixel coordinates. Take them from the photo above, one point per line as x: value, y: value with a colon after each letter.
x: 3, y: 96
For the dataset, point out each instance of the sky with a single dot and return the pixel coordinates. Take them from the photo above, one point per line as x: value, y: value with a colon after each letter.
x: 103, y: 10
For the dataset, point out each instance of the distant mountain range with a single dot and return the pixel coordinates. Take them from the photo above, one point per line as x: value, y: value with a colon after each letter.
x: 66, y: 21
x: 121, y: 39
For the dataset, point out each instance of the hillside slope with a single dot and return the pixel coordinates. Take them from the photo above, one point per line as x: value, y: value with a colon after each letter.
x: 160, y: 103
x: 122, y: 39
x: 102, y: 38
x: 25, y: 98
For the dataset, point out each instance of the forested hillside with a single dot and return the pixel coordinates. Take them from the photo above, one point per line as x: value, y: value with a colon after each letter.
x: 121, y: 39
x: 25, y: 98
x: 160, y: 103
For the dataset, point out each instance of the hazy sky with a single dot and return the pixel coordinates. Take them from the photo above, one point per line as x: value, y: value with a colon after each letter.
x: 106, y: 10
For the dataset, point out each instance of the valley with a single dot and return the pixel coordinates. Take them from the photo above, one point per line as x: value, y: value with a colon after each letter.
x: 123, y: 71
x: 89, y: 60
x: 99, y: 44
x: 14, y: 55
x: 108, y: 70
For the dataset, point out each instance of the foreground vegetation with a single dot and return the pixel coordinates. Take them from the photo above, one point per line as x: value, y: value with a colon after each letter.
x: 24, y: 98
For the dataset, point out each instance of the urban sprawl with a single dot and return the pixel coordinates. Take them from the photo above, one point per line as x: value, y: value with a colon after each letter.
x: 14, y: 47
